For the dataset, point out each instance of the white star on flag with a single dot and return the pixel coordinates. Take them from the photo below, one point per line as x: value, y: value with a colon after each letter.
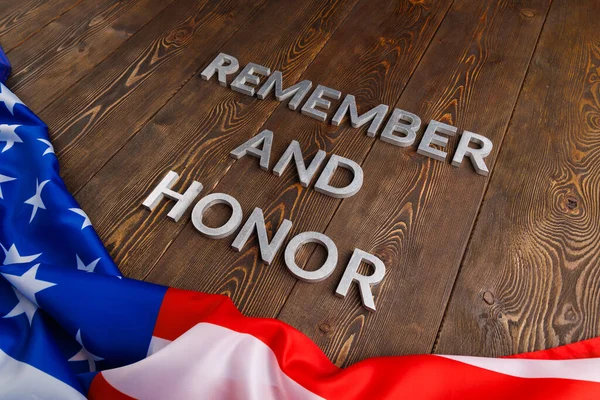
x: 24, y: 306
x: 85, y: 355
x: 86, y: 220
x: 4, y: 178
x: 12, y: 256
x: 36, y: 200
x: 27, y: 284
x: 50, y: 149
x: 9, y: 99
x: 8, y: 135
x: 88, y: 268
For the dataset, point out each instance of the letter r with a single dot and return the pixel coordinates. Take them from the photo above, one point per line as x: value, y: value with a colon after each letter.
x: 222, y: 65
x: 364, y: 281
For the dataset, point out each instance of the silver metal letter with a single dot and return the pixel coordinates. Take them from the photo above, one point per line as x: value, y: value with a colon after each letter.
x: 364, y: 282
x: 222, y: 70
x: 250, y: 147
x: 247, y: 75
x: 404, y: 122
x: 316, y: 100
x: 225, y: 230
x: 305, y: 174
x: 431, y: 137
x: 335, y: 161
x: 476, y: 155
x: 377, y: 114
x: 311, y: 237
x: 267, y: 250
x: 298, y: 91
x: 164, y: 190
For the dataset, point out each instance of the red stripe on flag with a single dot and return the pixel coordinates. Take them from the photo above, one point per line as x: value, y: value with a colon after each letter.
x: 423, y: 377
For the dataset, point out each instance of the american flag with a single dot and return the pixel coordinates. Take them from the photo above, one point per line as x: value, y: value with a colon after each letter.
x: 72, y: 327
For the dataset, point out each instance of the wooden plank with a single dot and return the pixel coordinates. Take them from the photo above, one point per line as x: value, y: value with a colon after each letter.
x: 530, y: 278
x: 388, y: 41
x: 93, y: 119
x: 413, y: 212
x: 21, y: 20
x: 194, y: 133
x: 66, y: 49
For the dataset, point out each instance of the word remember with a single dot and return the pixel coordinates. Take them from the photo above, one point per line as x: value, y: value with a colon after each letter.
x: 268, y: 249
x: 401, y: 127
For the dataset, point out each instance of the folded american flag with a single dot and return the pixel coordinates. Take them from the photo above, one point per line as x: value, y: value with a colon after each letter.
x: 71, y: 327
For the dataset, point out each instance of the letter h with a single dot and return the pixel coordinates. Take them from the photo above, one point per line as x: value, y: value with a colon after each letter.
x: 164, y: 189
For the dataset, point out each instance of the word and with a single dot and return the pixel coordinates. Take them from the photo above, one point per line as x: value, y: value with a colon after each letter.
x: 268, y: 249
x: 400, y: 129
x: 305, y: 174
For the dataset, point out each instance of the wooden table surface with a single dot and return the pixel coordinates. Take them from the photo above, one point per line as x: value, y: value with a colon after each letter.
x: 475, y: 265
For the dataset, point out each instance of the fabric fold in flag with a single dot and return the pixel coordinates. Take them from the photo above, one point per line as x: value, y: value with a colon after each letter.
x: 200, y: 346
x: 72, y: 327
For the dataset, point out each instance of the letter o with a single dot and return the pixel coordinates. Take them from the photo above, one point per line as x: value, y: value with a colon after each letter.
x: 311, y: 237
x: 225, y: 230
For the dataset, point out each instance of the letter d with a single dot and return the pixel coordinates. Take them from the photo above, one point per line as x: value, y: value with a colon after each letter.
x: 323, y: 184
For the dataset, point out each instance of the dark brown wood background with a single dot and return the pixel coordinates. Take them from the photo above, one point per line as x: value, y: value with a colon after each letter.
x: 480, y: 266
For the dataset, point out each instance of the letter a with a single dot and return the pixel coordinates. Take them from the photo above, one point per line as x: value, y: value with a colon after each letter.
x: 250, y: 147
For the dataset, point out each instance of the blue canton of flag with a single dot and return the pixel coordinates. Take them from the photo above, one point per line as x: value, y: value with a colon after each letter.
x: 51, y: 349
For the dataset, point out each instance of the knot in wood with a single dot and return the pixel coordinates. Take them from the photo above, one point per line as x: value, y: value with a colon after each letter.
x: 527, y: 13
x: 572, y: 202
x: 96, y: 20
x: 325, y: 328
x: 179, y: 36
x: 488, y: 297
x: 570, y: 314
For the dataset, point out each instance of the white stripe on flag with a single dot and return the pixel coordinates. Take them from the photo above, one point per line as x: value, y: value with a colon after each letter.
x: 587, y: 369
x: 208, y: 362
x: 19, y: 381
x: 157, y: 344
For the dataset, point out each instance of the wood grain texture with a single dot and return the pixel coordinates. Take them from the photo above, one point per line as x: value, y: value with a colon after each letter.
x: 375, y: 69
x: 413, y: 212
x: 195, y: 132
x: 92, y: 120
x: 20, y: 20
x: 530, y: 277
x: 117, y: 81
x: 65, y: 50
